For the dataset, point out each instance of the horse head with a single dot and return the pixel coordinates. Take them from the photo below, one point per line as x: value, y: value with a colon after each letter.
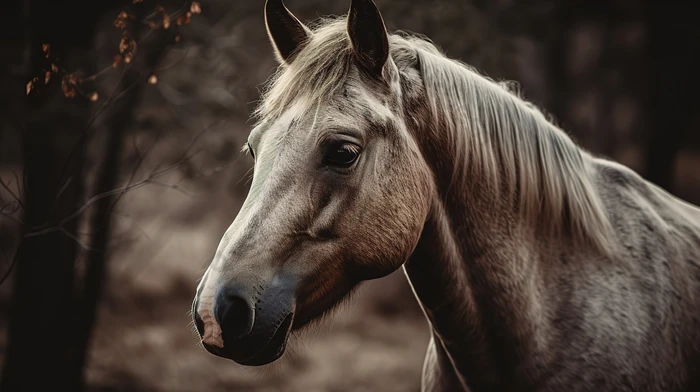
x: 339, y: 195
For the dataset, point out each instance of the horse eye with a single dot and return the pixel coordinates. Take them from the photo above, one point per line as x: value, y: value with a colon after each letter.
x: 343, y: 155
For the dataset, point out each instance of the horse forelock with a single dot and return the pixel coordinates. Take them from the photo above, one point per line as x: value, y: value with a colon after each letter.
x: 484, y: 125
x: 319, y: 71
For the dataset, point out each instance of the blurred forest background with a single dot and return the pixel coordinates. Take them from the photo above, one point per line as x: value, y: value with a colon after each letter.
x: 118, y: 182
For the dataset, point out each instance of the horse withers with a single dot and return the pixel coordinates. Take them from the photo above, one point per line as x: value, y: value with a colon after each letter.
x: 539, y: 266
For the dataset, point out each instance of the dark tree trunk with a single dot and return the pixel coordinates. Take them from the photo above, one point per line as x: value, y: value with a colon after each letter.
x: 107, y: 179
x: 38, y: 355
x: 43, y: 285
x: 674, y: 41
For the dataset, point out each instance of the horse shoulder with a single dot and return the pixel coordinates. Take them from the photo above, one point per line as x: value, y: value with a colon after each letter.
x: 658, y: 236
x: 639, y: 209
x: 655, y: 231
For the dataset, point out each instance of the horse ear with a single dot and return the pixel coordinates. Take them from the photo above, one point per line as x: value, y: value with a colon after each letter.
x: 287, y: 34
x: 368, y: 35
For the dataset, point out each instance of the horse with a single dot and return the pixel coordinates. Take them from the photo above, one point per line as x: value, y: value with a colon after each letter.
x: 539, y: 265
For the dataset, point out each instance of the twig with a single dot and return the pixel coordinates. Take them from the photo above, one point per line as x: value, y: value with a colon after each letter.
x: 175, y: 187
x: 149, y: 180
x: 199, y: 136
x: 20, y: 185
x: 7, y: 188
x: 64, y: 187
x: 110, y: 99
x: 174, y: 63
x: 13, y: 205
x: 86, y: 132
x: 10, y: 212
x: 10, y: 268
x: 141, y: 159
x: 209, y: 172
x: 133, y: 222
x: 138, y: 80
x: 78, y: 241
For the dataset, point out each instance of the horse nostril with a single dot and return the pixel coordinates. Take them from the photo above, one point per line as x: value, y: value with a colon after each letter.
x: 234, y: 315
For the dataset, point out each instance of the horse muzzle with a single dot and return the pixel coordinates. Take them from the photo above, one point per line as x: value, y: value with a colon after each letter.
x: 248, y: 324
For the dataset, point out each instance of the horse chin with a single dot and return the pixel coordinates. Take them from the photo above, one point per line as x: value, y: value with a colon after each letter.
x: 311, y: 314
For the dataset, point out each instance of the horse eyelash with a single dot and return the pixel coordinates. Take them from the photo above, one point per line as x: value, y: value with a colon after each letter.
x: 247, y: 150
x: 351, y: 147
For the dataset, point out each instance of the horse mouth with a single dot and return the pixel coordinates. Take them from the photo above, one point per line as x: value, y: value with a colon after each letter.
x: 270, y: 352
x: 274, y: 349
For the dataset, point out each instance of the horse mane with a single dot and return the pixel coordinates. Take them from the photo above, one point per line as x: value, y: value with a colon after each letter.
x: 508, y: 142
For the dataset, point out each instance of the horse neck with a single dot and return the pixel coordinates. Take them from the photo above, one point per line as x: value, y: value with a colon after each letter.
x: 475, y: 272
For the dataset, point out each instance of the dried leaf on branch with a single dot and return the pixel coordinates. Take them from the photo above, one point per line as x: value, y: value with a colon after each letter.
x: 68, y: 89
x: 122, y: 19
x: 127, y: 48
x: 30, y: 85
x: 117, y: 60
x: 184, y: 19
x: 69, y: 83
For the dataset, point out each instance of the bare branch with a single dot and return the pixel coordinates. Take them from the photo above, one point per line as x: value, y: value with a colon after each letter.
x: 208, y: 173
x: 86, y: 133
x: 113, y: 96
x: 175, y: 62
x: 78, y: 241
x: 20, y: 184
x: 135, y: 224
x: 180, y: 17
x: 7, y: 188
x: 174, y: 187
x: 12, y: 263
x: 149, y: 180
x: 141, y: 159
x: 8, y: 210
x: 63, y: 188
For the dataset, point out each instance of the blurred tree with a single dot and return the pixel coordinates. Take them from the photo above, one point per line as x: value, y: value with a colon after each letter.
x: 41, y: 309
x: 53, y: 309
x: 674, y: 44
x: 107, y: 179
